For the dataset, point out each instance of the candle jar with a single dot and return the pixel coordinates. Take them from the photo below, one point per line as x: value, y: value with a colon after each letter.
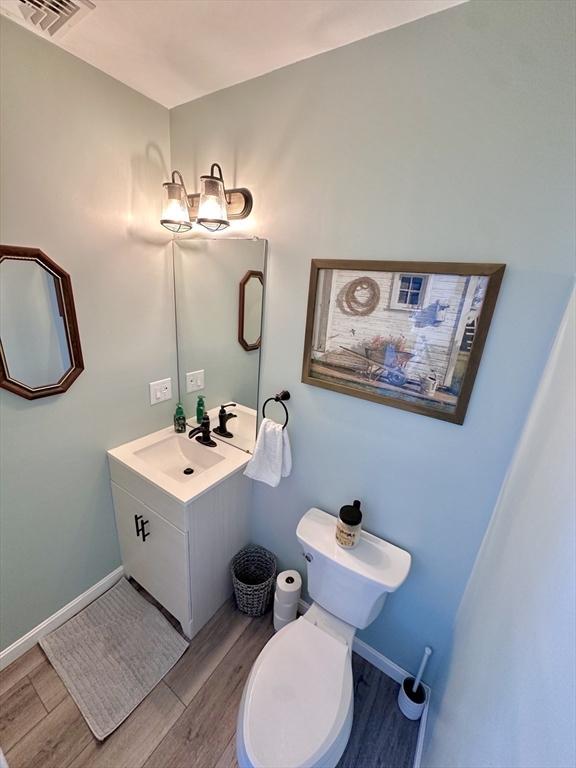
x: 349, y: 526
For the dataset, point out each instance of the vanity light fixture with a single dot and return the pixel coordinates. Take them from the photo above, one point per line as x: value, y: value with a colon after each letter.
x: 213, y: 207
x: 175, y: 214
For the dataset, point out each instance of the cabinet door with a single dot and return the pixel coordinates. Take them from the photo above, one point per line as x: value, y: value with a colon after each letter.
x: 155, y: 553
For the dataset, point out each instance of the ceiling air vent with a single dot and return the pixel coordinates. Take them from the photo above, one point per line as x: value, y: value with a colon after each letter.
x: 50, y: 18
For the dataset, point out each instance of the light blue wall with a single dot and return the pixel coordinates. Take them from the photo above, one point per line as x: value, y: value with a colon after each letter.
x: 83, y: 158
x: 450, y: 138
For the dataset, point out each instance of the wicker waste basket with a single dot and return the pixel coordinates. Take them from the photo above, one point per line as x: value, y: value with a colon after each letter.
x: 254, y: 577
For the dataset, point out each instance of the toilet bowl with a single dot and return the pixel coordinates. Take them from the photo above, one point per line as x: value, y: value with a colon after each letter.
x: 298, y: 702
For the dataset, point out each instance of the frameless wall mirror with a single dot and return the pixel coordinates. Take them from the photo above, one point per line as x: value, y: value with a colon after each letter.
x: 208, y: 274
x: 40, y: 352
x: 250, y: 310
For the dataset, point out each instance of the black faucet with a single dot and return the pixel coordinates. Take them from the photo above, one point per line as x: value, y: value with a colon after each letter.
x: 203, y: 432
x: 223, y: 419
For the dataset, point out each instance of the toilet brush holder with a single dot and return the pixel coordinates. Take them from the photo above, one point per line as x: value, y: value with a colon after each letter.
x: 412, y: 694
x: 411, y: 702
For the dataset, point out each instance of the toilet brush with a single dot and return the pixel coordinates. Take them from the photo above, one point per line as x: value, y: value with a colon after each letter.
x: 412, y: 694
x: 425, y: 657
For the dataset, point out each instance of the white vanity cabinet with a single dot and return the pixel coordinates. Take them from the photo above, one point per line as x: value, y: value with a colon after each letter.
x: 155, y: 553
x: 178, y: 535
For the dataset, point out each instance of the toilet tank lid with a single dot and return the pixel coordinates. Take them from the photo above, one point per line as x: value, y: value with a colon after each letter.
x: 374, y: 559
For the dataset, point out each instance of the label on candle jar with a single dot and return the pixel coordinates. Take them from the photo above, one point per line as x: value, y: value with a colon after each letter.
x: 347, y: 536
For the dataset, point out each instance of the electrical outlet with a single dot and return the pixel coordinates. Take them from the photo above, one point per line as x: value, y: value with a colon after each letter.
x: 160, y: 391
x: 194, y: 381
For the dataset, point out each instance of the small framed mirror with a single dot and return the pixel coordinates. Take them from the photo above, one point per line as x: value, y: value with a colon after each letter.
x: 250, y: 310
x: 40, y: 352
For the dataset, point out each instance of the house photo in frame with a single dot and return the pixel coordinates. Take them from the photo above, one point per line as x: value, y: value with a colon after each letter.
x: 404, y: 333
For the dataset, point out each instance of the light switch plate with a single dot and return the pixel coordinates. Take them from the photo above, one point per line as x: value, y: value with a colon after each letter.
x: 160, y: 391
x: 194, y: 381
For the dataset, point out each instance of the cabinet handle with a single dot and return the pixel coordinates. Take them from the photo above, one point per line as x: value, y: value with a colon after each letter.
x: 141, y: 527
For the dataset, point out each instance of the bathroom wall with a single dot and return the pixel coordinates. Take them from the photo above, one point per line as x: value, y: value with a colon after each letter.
x: 450, y: 138
x: 507, y: 697
x: 83, y: 157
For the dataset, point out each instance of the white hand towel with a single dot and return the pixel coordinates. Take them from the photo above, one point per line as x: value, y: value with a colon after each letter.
x: 272, y: 457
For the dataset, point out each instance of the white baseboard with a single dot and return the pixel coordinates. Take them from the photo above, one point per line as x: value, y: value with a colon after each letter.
x: 10, y: 654
x: 394, y: 672
x: 422, y: 729
x: 378, y: 660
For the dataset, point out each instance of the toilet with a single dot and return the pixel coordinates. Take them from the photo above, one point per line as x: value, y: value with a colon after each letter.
x: 298, y: 702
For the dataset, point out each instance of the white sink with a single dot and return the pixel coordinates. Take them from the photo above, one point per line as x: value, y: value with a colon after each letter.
x: 162, y: 458
x: 175, y: 455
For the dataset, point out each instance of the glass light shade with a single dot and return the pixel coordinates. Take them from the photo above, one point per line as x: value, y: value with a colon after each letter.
x: 212, y: 209
x: 175, y: 214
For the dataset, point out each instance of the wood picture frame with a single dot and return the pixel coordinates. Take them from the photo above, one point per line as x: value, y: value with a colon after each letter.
x: 408, y: 334
x: 65, y: 304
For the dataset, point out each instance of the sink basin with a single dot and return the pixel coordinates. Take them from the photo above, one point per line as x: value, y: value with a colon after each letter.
x: 176, y: 455
x: 165, y: 459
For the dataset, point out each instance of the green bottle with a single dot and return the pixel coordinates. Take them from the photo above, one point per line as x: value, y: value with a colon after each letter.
x: 200, y: 409
x: 179, y: 419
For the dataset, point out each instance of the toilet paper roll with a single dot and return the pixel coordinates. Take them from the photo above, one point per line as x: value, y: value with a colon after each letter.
x: 285, y: 612
x: 288, y: 587
x: 279, y: 624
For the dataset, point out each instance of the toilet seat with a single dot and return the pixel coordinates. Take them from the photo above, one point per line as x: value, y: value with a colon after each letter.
x: 297, y: 705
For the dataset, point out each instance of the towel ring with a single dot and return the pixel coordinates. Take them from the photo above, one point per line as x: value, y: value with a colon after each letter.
x: 279, y: 398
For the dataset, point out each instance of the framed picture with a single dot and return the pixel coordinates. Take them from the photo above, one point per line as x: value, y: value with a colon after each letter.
x: 404, y: 333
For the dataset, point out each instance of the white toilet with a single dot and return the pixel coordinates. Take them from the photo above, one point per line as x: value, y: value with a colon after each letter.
x: 298, y: 702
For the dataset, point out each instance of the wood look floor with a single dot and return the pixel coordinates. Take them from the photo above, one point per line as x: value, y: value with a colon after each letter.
x: 189, y: 719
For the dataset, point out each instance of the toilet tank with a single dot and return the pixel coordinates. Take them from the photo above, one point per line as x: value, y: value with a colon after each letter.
x: 351, y: 584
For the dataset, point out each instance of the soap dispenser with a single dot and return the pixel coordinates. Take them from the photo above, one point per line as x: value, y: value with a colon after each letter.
x: 179, y: 419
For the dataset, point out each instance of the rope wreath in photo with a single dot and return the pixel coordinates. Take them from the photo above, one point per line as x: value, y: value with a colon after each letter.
x: 350, y: 304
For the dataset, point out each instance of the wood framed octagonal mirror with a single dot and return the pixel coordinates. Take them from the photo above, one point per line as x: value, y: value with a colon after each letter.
x: 250, y: 310
x: 40, y: 351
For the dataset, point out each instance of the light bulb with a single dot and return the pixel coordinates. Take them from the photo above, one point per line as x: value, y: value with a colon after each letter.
x: 212, y: 208
x: 175, y: 214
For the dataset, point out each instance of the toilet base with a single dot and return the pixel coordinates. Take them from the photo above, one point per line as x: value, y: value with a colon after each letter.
x: 328, y: 760
x: 332, y: 638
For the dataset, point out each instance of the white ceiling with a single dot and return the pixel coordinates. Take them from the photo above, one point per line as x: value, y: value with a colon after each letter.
x: 177, y: 50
